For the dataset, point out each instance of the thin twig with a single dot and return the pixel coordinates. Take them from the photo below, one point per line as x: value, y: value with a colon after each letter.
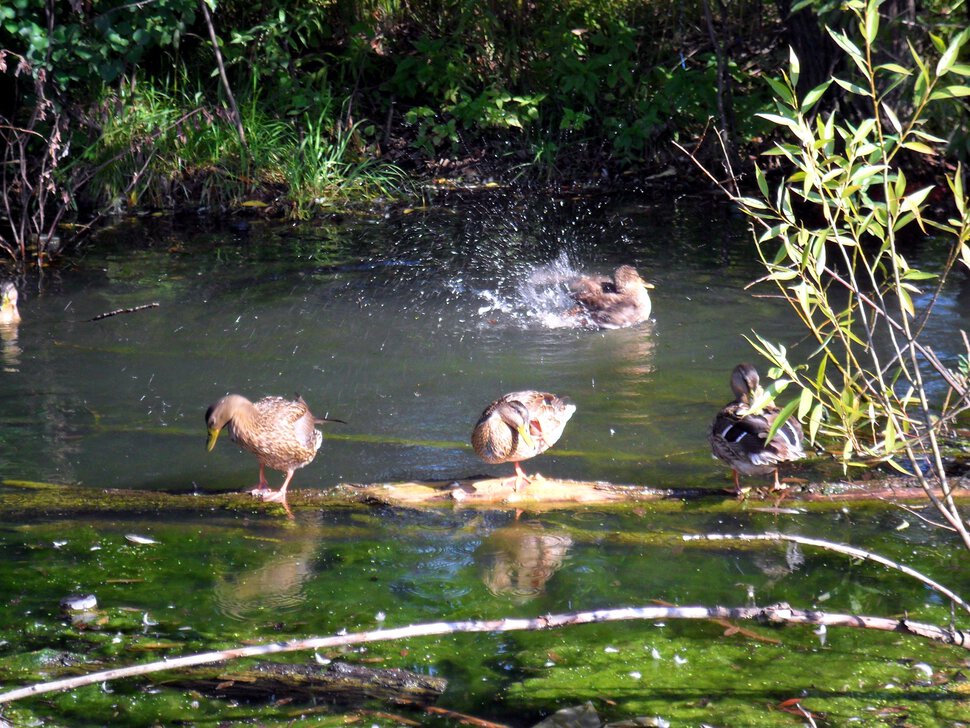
x: 236, y: 118
x: 776, y: 614
x: 154, y: 304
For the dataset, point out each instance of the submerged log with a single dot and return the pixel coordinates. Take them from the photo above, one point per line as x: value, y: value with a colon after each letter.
x: 22, y: 498
x: 338, y: 682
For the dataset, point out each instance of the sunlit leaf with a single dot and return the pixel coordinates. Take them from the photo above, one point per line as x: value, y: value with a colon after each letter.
x: 781, y: 418
x: 780, y: 90
x: 891, y: 115
x: 950, y: 92
x: 778, y: 119
x: 853, y: 88
x: 915, y: 199
x: 871, y: 23
x: 919, y: 147
x: 814, y: 95
x: 842, y: 40
x: 804, y: 403
x: 752, y: 202
x: 762, y: 182
x: 950, y: 54
x: 918, y: 275
x: 895, y: 68
x: 814, y: 421
x: 906, y: 302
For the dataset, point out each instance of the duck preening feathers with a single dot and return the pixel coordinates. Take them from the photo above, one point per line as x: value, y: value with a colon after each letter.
x: 519, y: 426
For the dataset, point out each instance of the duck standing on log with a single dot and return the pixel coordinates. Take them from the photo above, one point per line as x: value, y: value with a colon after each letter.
x: 740, y: 439
x: 519, y: 426
x: 281, y: 433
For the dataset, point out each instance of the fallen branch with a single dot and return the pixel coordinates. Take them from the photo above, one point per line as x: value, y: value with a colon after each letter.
x: 124, y: 310
x: 338, y: 682
x: 775, y: 615
x: 836, y: 547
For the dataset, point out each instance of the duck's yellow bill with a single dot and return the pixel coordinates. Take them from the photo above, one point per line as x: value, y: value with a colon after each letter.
x: 211, y: 442
x: 526, y: 437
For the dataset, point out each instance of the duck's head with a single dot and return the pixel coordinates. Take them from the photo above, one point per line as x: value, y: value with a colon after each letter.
x: 8, y: 303
x: 745, y: 383
x: 221, y: 413
x: 516, y: 415
x: 628, y: 280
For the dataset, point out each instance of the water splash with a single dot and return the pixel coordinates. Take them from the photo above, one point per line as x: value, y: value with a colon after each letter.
x: 530, y: 295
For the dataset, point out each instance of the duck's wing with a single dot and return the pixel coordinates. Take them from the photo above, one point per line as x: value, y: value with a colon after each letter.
x: 737, y: 436
x: 548, y: 415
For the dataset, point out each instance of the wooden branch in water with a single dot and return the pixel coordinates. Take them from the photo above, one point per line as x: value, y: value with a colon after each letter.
x: 775, y: 615
x: 339, y: 681
x: 838, y: 548
x: 154, y: 304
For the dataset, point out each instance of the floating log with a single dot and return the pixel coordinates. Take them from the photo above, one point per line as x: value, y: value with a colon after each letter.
x: 338, y: 682
x: 30, y: 498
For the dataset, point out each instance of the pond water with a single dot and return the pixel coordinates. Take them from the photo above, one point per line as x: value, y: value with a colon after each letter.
x: 406, y: 327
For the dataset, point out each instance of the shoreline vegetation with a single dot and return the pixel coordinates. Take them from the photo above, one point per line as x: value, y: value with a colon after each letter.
x: 289, y: 111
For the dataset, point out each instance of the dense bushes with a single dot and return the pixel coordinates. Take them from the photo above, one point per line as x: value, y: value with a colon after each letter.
x: 124, y: 103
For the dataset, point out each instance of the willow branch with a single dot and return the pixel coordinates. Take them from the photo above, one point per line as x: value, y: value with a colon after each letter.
x: 776, y: 614
x: 838, y: 548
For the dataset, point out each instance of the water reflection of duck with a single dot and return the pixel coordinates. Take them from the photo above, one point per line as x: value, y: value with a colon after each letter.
x: 519, y: 559
x: 520, y: 426
x: 279, y: 432
x: 277, y: 583
x: 8, y: 303
x: 612, y: 302
x: 738, y: 438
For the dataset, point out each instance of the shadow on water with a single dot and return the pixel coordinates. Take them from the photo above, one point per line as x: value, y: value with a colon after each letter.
x: 406, y: 327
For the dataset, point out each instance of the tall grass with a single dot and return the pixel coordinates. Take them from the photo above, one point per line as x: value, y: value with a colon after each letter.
x: 164, y: 147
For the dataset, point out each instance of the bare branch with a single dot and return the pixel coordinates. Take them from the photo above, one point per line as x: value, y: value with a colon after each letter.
x: 776, y: 614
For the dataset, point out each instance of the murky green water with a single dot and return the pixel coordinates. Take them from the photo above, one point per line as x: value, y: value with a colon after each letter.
x: 406, y: 328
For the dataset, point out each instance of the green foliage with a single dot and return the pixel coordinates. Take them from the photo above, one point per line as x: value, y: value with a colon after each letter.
x: 94, y: 42
x: 829, y: 239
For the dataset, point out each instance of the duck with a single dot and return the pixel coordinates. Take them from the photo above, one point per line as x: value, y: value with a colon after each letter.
x: 519, y: 426
x: 280, y: 432
x: 8, y: 303
x: 611, y: 302
x: 740, y: 439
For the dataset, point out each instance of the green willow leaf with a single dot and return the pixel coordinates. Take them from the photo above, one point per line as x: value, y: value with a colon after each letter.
x: 782, y: 417
x: 919, y: 147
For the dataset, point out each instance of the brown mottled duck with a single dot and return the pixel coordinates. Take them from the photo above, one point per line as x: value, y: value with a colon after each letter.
x: 520, y: 426
x: 740, y: 439
x: 611, y: 302
x: 8, y: 303
x: 281, y: 433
